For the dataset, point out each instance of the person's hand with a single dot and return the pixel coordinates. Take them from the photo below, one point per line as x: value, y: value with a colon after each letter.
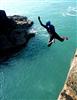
x: 38, y: 17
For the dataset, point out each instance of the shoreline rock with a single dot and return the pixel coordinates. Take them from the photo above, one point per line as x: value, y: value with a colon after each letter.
x: 14, y: 33
x: 69, y: 91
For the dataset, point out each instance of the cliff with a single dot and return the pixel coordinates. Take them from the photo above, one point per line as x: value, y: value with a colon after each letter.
x: 14, y: 33
x: 69, y: 91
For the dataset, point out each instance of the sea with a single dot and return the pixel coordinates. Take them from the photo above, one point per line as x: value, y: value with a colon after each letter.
x: 38, y: 72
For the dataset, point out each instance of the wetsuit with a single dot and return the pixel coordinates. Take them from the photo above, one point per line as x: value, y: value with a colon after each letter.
x: 53, y: 34
x: 51, y: 30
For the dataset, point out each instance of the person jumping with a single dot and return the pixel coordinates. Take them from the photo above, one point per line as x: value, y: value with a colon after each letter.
x: 51, y: 30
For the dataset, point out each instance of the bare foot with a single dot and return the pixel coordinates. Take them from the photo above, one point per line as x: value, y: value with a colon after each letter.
x: 65, y: 38
x: 50, y: 43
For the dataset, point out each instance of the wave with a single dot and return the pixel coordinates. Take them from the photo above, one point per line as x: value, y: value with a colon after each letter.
x: 70, y: 11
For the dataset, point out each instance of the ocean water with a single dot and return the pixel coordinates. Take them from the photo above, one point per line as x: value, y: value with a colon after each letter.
x: 39, y: 72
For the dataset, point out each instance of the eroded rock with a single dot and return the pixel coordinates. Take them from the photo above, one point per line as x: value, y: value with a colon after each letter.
x: 13, y: 33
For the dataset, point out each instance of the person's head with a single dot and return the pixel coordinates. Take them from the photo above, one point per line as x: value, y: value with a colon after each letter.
x: 48, y: 24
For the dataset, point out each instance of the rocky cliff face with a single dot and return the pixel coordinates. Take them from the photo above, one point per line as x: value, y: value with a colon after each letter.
x: 69, y: 91
x: 14, y: 33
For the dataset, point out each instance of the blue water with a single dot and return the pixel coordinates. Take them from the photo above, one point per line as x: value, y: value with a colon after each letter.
x: 39, y: 72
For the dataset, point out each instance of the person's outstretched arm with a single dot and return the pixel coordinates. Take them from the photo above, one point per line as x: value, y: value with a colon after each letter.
x: 41, y: 22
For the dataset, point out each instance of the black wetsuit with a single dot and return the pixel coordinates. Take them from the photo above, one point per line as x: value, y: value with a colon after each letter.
x: 51, y: 30
x: 53, y: 34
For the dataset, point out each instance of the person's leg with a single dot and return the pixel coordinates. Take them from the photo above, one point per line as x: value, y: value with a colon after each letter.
x: 65, y: 38
x: 50, y: 41
x: 59, y: 38
x: 51, y: 38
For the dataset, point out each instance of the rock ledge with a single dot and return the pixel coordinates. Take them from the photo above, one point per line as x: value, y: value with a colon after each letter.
x: 69, y: 91
x: 14, y: 33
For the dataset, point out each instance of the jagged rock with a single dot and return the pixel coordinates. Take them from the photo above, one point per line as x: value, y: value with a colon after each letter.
x: 6, y: 24
x: 21, y: 21
x: 69, y: 91
x: 13, y: 33
x: 18, y: 18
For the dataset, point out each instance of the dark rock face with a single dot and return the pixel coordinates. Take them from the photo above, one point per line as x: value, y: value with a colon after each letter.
x: 6, y: 24
x: 13, y: 33
x: 22, y: 20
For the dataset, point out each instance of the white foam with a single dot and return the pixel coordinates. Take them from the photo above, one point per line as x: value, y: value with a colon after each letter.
x: 32, y: 31
x: 70, y: 11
